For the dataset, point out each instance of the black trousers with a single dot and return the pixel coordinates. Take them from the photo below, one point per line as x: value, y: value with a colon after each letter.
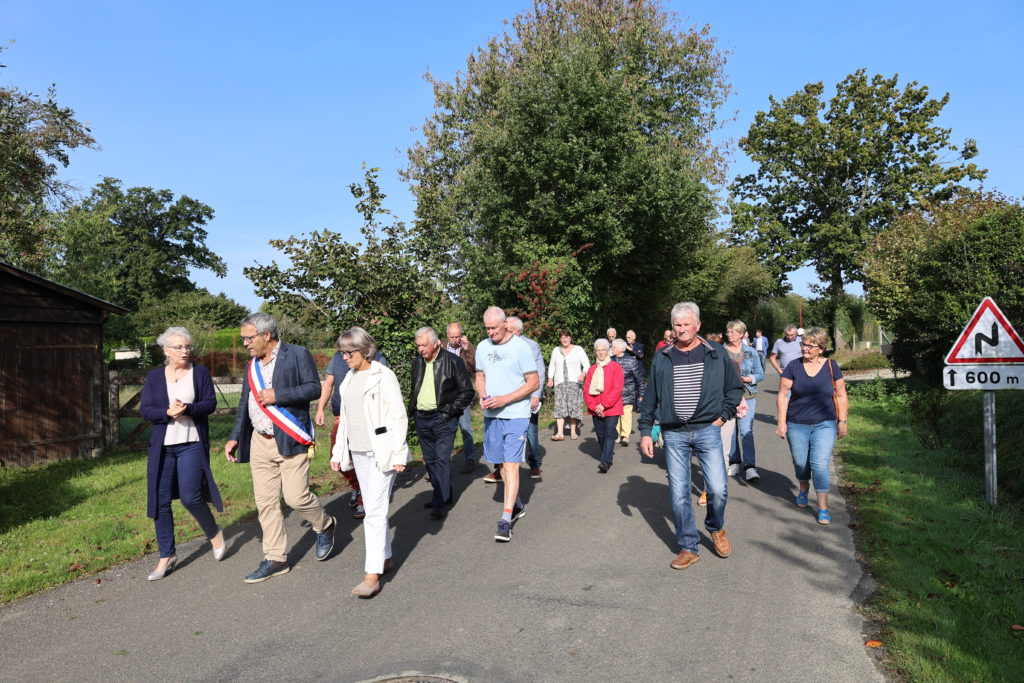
x: 437, y: 437
x: 606, y: 436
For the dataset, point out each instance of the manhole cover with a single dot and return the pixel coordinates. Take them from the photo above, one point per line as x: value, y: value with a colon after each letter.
x: 416, y: 679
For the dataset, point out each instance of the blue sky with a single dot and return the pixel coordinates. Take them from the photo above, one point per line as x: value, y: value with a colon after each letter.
x: 266, y: 111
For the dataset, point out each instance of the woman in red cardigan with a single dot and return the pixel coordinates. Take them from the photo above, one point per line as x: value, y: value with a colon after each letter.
x: 602, y: 392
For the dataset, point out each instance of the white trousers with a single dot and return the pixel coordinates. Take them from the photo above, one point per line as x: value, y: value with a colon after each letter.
x: 375, y: 487
x: 728, y: 439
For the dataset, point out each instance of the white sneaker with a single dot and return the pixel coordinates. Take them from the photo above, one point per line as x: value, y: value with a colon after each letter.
x: 734, y: 469
x: 752, y: 475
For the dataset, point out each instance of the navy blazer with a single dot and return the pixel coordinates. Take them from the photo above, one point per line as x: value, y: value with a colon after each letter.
x: 296, y: 383
x: 153, y: 407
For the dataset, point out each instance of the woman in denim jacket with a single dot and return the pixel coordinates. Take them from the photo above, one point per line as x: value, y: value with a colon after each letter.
x: 751, y: 372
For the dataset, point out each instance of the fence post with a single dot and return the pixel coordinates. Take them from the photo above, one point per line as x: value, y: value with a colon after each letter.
x: 112, y: 428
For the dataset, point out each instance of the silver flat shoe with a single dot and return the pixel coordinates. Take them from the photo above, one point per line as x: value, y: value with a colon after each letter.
x: 218, y: 553
x: 159, y: 574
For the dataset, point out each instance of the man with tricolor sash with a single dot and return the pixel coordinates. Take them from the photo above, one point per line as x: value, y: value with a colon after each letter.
x: 274, y: 434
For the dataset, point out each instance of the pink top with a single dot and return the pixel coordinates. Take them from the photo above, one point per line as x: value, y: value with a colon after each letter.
x: 611, y: 397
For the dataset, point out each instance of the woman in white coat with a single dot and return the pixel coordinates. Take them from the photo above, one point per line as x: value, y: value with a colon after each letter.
x: 371, y: 438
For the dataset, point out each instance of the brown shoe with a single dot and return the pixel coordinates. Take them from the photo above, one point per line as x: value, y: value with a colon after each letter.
x: 685, y: 559
x: 721, y: 542
x: 703, y: 500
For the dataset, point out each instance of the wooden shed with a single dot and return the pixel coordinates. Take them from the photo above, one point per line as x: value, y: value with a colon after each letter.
x: 53, y: 400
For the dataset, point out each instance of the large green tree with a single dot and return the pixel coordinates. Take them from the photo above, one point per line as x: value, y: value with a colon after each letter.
x: 928, y: 272
x: 36, y: 137
x: 132, y: 247
x: 832, y: 174
x: 576, y: 143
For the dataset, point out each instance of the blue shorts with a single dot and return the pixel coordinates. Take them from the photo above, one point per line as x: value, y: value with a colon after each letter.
x: 505, y: 439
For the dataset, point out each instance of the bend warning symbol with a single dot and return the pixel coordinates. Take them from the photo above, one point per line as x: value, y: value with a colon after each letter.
x: 988, y: 338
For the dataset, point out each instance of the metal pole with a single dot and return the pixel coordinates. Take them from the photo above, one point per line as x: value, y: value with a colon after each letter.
x: 989, y: 412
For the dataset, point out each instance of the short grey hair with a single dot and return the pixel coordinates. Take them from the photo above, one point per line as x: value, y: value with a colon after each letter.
x: 263, y: 322
x: 610, y: 331
x: 516, y: 323
x: 619, y: 345
x: 455, y: 325
x: 601, y: 343
x: 495, y: 312
x: 358, y: 339
x: 790, y: 326
x: 163, y: 341
x: 428, y: 330
x: 682, y: 308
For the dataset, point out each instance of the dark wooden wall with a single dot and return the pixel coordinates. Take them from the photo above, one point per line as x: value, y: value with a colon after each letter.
x: 52, y: 394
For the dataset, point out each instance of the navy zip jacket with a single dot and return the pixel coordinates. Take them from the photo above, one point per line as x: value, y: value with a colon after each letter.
x: 720, y: 391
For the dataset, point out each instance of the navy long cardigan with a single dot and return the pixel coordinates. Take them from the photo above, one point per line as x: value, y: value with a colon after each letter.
x: 153, y: 407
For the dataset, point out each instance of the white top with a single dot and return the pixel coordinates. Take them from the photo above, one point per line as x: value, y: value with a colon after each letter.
x: 384, y: 414
x: 576, y: 362
x: 182, y: 429
x: 352, y: 408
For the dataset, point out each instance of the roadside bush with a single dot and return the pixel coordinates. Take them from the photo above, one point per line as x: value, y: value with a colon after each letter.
x: 873, y: 360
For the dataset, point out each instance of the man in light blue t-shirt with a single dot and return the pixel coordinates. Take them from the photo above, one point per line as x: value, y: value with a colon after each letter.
x: 506, y: 375
x: 786, y: 349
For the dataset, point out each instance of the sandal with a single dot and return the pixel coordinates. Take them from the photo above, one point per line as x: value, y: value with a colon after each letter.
x: 801, y: 499
x: 573, y: 435
x: 557, y: 437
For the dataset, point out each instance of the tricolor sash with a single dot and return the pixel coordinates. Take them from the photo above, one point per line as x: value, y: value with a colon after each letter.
x: 278, y: 415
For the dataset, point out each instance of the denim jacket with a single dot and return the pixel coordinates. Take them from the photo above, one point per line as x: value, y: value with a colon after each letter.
x: 751, y: 367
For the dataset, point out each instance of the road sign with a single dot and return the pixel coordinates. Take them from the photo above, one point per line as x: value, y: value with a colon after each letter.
x: 988, y: 338
x: 986, y: 377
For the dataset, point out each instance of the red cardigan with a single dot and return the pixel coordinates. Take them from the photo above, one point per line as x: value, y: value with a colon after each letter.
x: 611, y: 397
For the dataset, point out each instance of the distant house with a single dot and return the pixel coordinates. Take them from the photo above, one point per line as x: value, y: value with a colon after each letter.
x: 53, y: 398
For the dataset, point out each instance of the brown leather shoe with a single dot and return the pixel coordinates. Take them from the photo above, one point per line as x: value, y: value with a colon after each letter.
x: 685, y: 559
x: 721, y: 542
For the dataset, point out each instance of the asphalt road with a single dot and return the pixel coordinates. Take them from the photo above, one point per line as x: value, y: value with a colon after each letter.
x: 584, y: 591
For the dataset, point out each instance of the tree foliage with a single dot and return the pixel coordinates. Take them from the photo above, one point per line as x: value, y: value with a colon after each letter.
x: 36, y: 137
x: 578, y: 142
x: 832, y: 175
x: 929, y: 271
x: 132, y: 247
x: 377, y: 284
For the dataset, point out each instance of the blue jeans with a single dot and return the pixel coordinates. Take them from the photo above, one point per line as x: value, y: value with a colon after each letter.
x: 533, y: 455
x: 745, y: 427
x: 437, y: 435
x: 466, y: 427
x: 181, y: 467
x: 680, y: 447
x: 607, y: 436
x: 811, y: 448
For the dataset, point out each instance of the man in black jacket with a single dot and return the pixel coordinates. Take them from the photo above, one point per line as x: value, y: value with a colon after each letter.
x: 441, y: 390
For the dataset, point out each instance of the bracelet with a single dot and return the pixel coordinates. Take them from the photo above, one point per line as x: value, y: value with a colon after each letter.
x: 843, y: 421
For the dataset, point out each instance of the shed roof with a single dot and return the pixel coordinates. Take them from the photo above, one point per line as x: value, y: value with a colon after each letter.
x: 61, y: 289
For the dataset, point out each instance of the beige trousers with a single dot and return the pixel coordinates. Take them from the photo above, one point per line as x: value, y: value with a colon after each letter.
x: 272, y: 476
x: 625, y: 425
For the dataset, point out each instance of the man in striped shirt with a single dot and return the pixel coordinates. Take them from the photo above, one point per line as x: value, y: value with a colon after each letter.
x: 693, y: 389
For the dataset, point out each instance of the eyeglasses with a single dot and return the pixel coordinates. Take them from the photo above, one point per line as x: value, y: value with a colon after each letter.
x: 248, y: 339
x: 181, y: 347
x: 809, y: 346
x: 348, y: 354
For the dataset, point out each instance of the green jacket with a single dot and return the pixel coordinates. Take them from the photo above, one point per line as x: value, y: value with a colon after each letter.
x: 720, y: 391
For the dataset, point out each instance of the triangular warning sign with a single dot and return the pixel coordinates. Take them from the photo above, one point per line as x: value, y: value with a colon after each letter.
x: 988, y: 338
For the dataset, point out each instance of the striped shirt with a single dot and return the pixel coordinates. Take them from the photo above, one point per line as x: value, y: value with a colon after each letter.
x: 687, y: 376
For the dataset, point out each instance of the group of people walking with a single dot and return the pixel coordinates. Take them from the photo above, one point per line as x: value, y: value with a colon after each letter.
x: 698, y: 398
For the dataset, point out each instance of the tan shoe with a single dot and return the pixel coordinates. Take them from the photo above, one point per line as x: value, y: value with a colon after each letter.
x: 721, y: 542
x: 685, y: 559
x: 703, y: 500
x: 365, y: 590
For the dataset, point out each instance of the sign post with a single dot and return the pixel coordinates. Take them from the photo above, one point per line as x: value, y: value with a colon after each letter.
x: 988, y: 355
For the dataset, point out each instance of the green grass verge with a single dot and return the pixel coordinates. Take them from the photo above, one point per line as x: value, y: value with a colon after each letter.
x: 950, y: 568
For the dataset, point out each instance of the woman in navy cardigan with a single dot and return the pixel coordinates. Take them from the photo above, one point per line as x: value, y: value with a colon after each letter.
x: 177, y: 399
